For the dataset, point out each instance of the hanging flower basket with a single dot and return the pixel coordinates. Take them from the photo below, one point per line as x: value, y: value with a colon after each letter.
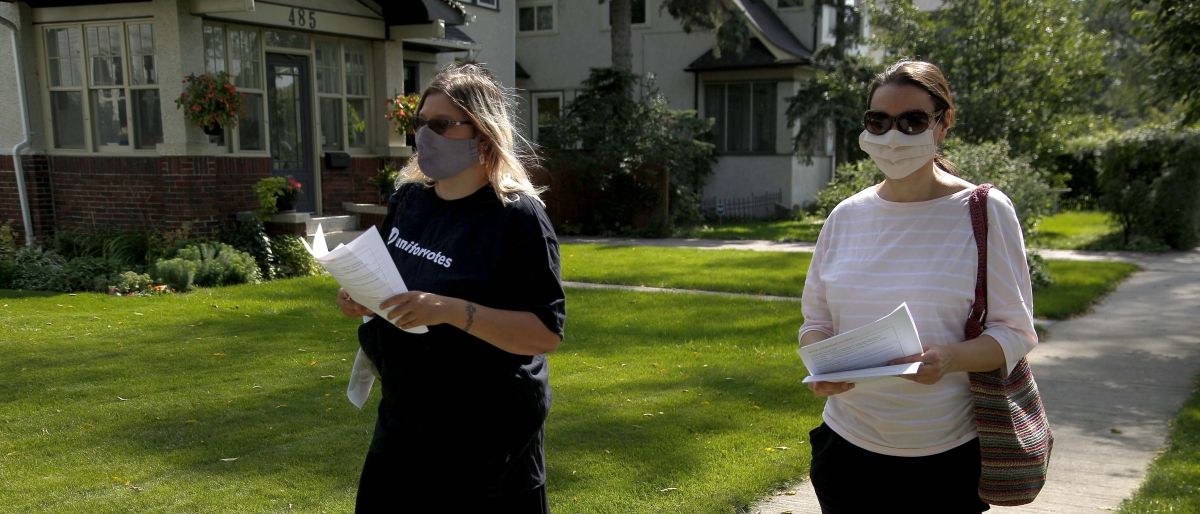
x: 402, y: 110
x: 210, y: 102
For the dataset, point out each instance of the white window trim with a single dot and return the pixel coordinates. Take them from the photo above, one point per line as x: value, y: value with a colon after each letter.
x: 232, y: 139
x: 534, y: 4
x: 533, y: 100
x: 346, y: 96
x: 606, y: 21
x: 85, y: 88
x: 491, y: 4
x: 773, y: 149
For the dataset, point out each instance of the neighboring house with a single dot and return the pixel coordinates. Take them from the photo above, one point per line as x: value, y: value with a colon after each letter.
x: 558, y: 41
x: 107, y: 148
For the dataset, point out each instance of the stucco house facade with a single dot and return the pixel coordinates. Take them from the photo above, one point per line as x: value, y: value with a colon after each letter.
x: 558, y: 41
x: 91, y: 139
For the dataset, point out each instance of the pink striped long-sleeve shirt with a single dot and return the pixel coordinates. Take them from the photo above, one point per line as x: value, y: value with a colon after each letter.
x: 872, y: 255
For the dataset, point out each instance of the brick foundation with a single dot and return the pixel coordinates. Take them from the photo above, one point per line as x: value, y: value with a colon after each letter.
x: 102, y: 193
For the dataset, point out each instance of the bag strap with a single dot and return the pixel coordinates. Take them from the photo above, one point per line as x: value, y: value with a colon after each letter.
x: 979, y: 223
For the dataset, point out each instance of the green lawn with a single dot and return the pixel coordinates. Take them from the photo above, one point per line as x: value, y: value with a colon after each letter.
x: 1077, y: 284
x: 1173, y: 482
x: 1068, y: 230
x: 663, y: 403
x: 775, y: 273
x: 1076, y: 230
x: 785, y: 230
x: 232, y: 399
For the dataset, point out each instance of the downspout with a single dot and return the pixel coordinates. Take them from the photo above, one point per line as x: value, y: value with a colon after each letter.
x: 18, y: 166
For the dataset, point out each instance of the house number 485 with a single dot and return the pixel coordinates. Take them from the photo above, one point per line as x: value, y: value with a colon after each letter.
x: 302, y: 18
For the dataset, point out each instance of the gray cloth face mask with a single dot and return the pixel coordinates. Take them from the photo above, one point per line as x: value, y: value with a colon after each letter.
x: 441, y: 158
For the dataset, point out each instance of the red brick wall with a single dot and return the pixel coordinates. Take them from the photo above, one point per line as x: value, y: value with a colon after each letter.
x: 95, y: 192
x: 351, y: 184
x: 37, y: 186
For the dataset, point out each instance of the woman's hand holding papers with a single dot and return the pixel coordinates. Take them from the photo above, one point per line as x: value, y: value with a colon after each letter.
x: 935, y: 362
x: 827, y: 389
x: 349, y: 307
x: 416, y: 308
x: 823, y: 389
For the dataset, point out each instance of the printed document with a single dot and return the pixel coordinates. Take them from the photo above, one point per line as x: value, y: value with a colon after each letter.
x: 862, y: 354
x: 363, y: 268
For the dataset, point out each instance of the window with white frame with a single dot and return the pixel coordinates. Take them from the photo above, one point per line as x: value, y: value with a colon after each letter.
x: 358, y: 96
x: 547, y: 108
x: 107, y: 70
x: 744, y: 114
x: 329, y: 94
x: 342, y: 82
x: 490, y: 4
x: 637, y: 15
x: 536, y: 17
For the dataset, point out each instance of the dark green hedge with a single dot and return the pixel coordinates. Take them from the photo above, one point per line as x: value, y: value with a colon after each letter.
x: 1149, y: 179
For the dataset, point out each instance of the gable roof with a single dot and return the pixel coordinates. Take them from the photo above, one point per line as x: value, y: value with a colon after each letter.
x: 776, y: 35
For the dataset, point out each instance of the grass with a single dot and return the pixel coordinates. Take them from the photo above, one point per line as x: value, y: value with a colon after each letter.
x: 774, y: 273
x: 1067, y: 230
x: 219, y: 400
x: 1173, y: 482
x: 1077, y: 284
x: 781, y: 231
x: 1076, y: 230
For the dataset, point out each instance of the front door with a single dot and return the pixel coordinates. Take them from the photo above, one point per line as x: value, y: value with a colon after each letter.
x: 290, y: 115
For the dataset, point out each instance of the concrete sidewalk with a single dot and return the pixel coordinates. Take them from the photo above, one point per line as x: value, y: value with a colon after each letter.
x: 1112, y: 380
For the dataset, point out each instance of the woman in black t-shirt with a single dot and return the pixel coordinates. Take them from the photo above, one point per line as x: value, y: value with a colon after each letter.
x: 463, y: 408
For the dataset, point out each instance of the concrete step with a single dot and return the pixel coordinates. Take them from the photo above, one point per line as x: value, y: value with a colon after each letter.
x: 331, y: 224
x: 332, y: 239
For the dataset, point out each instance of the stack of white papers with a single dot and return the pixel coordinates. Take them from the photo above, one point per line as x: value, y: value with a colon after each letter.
x: 862, y: 354
x: 363, y: 268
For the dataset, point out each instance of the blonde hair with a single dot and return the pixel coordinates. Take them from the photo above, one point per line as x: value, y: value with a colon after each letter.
x: 489, y: 106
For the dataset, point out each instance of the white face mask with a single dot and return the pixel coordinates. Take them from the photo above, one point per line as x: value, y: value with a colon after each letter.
x: 898, y: 154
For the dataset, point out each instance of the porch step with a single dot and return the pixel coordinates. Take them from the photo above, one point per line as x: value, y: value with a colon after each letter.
x: 330, y: 224
x: 332, y: 239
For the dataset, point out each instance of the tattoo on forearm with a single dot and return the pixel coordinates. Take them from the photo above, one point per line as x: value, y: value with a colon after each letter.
x: 470, y: 317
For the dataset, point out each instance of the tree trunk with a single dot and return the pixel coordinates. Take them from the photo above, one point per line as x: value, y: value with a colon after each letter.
x: 621, y: 19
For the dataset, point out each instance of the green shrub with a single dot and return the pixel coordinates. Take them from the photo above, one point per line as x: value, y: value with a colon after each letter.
x: 291, y: 259
x: 1028, y: 187
x: 165, y: 244
x: 177, y: 273
x: 1148, y: 180
x: 1039, y: 273
x: 219, y: 264
x: 613, y: 141
x: 848, y: 179
x: 90, y: 273
x: 249, y: 236
x: 127, y: 249
x: 8, y: 253
x: 129, y: 282
x: 38, y: 269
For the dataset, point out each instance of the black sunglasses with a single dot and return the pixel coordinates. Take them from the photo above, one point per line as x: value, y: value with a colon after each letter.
x: 438, y: 125
x: 908, y: 122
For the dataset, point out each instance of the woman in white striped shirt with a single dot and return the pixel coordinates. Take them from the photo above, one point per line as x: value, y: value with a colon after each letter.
x: 911, y: 444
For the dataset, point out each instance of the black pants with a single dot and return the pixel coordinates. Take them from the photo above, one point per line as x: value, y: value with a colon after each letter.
x: 381, y: 489
x: 852, y: 480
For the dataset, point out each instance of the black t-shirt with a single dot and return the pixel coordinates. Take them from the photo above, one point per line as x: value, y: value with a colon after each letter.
x: 457, y: 410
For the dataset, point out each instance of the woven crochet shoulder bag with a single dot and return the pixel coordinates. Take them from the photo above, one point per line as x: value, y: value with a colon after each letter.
x: 1014, y: 434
